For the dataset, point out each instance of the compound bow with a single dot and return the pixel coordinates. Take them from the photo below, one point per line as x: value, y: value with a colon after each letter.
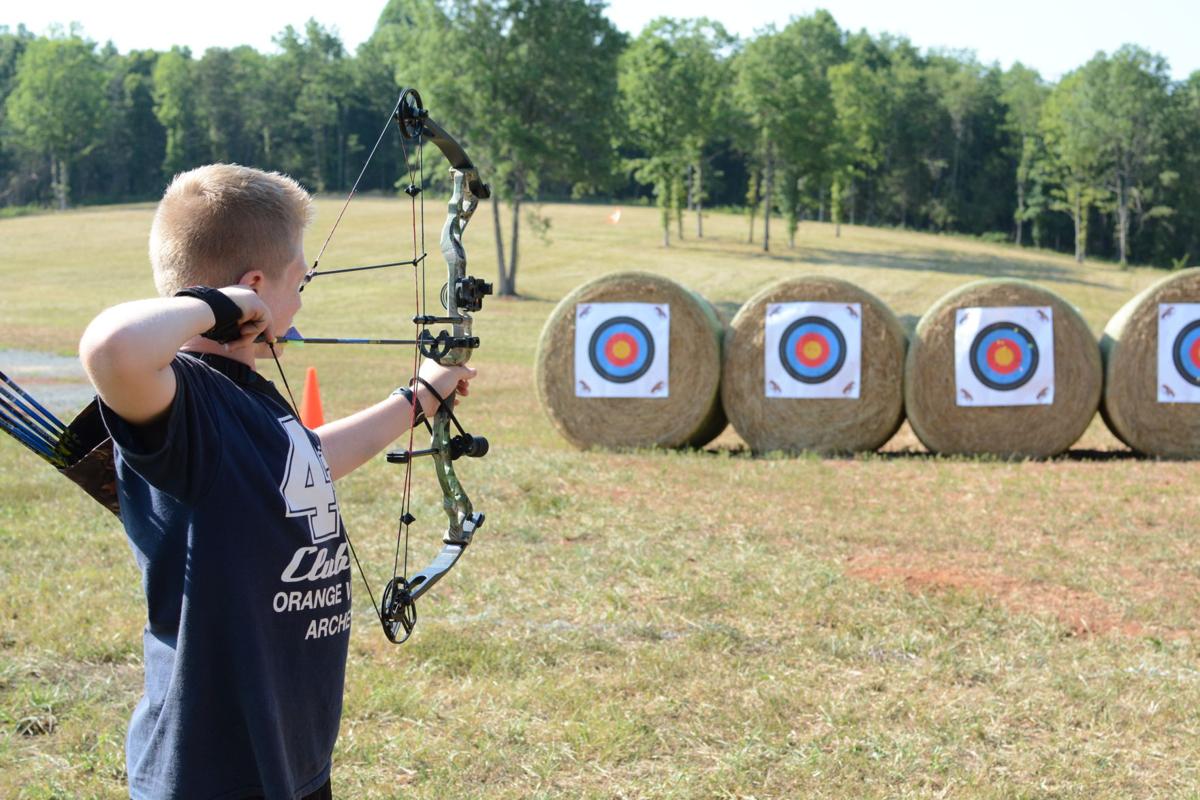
x: 461, y: 296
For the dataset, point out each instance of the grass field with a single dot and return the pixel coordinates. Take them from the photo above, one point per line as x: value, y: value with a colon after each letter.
x: 650, y: 624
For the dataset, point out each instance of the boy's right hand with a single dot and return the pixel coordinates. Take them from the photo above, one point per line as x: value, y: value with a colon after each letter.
x: 256, y: 316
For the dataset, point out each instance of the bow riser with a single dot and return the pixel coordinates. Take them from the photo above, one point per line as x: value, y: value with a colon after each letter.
x: 463, y: 294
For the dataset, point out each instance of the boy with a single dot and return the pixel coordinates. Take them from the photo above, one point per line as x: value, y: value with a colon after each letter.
x: 228, y: 501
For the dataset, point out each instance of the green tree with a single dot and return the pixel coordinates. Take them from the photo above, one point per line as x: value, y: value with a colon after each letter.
x: 12, y: 44
x: 484, y: 69
x: 783, y: 85
x: 705, y: 46
x: 912, y: 159
x: 657, y: 77
x: 126, y: 164
x: 314, y: 72
x: 1180, y: 238
x: 759, y: 95
x: 232, y: 104
x: 175, y: 108
x: 1128, y: 100
x: 1023, y: 96
x: 860, y: 103
x: 55, y: 108
x: 1068, y: 124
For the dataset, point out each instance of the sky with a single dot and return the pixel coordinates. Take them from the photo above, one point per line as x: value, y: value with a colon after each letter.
x: 1052, y: 36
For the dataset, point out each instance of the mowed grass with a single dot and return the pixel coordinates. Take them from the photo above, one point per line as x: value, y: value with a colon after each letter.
x: 655, y: 624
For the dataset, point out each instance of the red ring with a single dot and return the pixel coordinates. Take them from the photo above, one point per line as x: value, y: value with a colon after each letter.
x: 1010, y: 367
x: 627, y: 339
x: 821, y: 358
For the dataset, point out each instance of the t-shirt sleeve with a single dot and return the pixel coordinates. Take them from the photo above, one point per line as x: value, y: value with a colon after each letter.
x: 179, y: 454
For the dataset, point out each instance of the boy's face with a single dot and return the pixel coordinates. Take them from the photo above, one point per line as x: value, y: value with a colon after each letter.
x: 282, y: 294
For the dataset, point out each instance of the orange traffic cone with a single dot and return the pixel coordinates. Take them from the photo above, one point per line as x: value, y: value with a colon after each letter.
x: 311, y: 413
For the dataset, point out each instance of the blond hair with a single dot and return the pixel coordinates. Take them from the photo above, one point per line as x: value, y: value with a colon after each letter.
x: 216, y: 223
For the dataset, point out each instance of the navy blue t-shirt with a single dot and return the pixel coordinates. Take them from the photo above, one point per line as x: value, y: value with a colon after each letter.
x: 233, y: 519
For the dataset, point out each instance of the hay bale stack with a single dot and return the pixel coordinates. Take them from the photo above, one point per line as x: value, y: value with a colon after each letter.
x: 689, y: 416
x: 1029, y: 431
x: 823, y: 425
x: 1130, y: 403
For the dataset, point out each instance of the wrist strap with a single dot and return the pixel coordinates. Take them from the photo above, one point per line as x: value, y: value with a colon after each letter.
x: 226, y: 312
x: 407, y: 394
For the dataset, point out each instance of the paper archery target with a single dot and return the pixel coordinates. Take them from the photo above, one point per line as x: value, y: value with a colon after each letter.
x: 1004, y: 356
x: 1186, y: 353
x: 814, y: 328
x: 621, y: 350
x: 1151, y: 399
x: 812, y: 349
x: 1179, y: 353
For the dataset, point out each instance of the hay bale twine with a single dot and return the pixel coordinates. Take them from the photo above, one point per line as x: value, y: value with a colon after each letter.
x: 820, y: 424
x: 1132, y: 387
x: 690, y: 415
x: 1030, y: 431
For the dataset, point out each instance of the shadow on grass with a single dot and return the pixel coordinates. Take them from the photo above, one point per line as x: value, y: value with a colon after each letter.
x: 1037, y: 269
x: 1075, y: 455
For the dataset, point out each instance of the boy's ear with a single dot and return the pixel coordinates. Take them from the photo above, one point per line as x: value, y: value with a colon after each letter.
x: 252, y: 279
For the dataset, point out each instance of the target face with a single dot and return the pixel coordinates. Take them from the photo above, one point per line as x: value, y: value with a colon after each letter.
x: 1004, y: 356
x: 1179, y: 353
x: 621, y: 350
x: 812, y: 349
x: 1186, y: 353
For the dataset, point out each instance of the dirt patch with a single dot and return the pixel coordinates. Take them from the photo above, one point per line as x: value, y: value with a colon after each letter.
x: 57, y: 382
x: 1081, y: 613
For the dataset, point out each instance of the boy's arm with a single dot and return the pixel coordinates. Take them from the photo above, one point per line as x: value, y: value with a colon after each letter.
x: 127, y: 350
x: 351, y: 441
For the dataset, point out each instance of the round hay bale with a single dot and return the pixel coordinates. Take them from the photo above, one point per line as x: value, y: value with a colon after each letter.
x: 820, y: 424
x: 1132, y: 387
x: 690, y: 415
x: 1029, y: 431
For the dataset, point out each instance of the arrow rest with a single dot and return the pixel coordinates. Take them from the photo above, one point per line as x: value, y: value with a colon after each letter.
x: 438, y: 347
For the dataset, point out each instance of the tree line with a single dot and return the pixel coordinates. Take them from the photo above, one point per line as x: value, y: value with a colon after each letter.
x: 807, y: 121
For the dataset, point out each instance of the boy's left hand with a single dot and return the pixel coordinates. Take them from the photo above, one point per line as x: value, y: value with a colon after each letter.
x: 445, y: 380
